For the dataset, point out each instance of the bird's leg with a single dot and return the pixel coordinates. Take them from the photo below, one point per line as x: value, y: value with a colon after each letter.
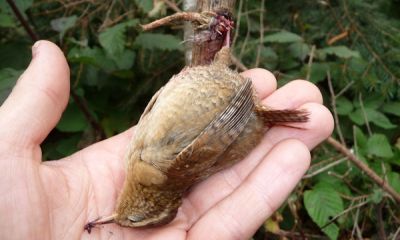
x: 99, y: 221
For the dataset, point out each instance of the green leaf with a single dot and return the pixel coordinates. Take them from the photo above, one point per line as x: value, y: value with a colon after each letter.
x: 93, y: 56
x: 392, y: 107
x: 124, y: 60
x: 373, y: 116
x: 343, y: 106
x: 378, y: 145
x: 372, y: 101
x: 299, y: 50
x: 23, y: 5
x: 15, y: 54
x: 322, y: 203
x: 72, y: 120
x: 269, y: 58
x: 376, y: 196
x: 113, y: 38
x: 67, y: 146
x: 6, y: 20
x: 146, y: 5
x: 8, y: 78
x: 339, y: 51
x: 318, y: 71
x: 394, y: 180
x: 62, y: 24
x: 357, y: 117
x: 379, y: 119
x: 158, y: 41
x: 360, y: 138
x: 282, y: 37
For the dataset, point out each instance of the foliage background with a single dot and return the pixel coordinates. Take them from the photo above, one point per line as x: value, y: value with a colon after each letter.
x: 349, y: 48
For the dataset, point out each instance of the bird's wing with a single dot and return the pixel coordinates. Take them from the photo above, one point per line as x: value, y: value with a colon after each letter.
x: 203, y: 152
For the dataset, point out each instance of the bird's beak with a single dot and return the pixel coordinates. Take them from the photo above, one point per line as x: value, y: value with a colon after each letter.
x: 100, y: 221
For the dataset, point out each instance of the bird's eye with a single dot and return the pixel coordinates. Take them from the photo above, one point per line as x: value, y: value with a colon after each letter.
x: 136, y: 218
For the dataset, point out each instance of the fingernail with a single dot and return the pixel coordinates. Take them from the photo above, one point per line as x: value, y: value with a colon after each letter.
x: 35, y: 49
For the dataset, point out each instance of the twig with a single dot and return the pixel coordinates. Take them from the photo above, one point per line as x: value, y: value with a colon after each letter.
x: 380, y: 225
x: 23, y: 21
x: 261, y: 44
x: 356, y: 228
x: 107, y: 17
x: 310, y: 61
x: 346, y: 181
x: 396, y: 234
x: 179, y: 16
x: 333, y: 104
x: 364, y: 115
x: 344, y: 212
x: 237, y: 27
x: 364, y: 167
x: 238, y: 63
x: 338, y: 37
x: 113, y: 22
x: 344, y: 89
x: 297, y: 235
x: 246, y: 39
x: 323, y: 169
x: 172, y: 5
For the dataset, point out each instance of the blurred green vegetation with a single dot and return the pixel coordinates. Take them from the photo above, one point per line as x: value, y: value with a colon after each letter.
x: 349, y: 48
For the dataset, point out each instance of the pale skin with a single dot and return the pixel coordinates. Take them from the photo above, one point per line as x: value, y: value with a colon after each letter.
x: 55, y: 199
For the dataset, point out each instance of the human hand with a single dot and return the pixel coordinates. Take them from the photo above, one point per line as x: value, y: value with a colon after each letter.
x: 55, y: 199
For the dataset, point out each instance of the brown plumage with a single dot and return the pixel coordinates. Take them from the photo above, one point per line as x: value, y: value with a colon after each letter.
x: 205, y: 119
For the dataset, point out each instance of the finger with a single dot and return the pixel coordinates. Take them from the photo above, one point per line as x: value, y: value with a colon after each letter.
x: 263, y: 81
x: 223, y: 183
x: 37, y: 101
x: 240, y: 214
x: 293, y: 95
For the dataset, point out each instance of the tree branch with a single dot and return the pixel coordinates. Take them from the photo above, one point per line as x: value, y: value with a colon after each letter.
x: 364, y: 167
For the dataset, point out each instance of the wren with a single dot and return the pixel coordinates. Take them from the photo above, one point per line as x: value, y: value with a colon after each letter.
x: 205, y: 119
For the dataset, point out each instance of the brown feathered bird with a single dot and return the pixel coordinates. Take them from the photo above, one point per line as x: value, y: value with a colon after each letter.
x: 205, y: 119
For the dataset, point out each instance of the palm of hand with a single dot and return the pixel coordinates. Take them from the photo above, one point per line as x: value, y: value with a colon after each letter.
x: 56, y: 199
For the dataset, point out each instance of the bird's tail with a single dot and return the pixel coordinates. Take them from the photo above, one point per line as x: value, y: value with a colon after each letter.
x: 273, y: 117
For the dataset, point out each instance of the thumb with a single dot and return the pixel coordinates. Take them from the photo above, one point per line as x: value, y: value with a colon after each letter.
x: 37, y: 101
